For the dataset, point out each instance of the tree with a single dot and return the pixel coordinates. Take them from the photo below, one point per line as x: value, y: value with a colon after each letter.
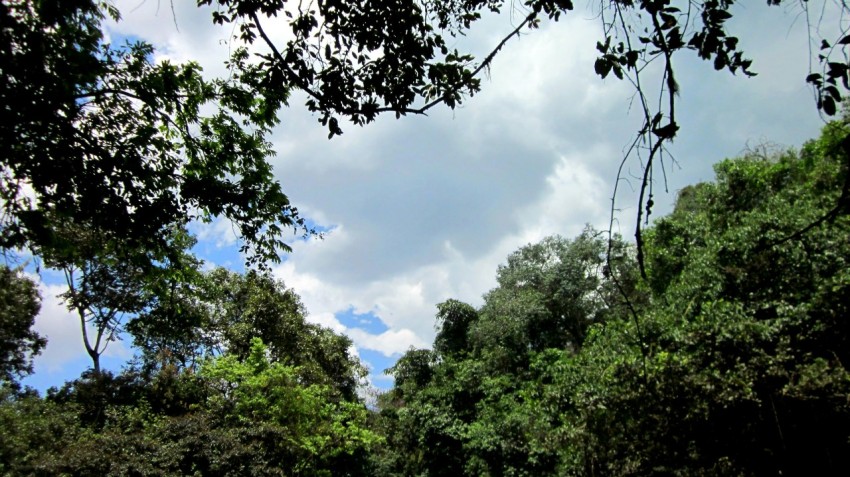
x: 475, y: 405
x: 314, y: 435
x: 454, y: 318
x: 425, y: 416
x: 19, y: 304
x: 549, y: 293
x: 101, y: 138
x: 110, y: 281
x: 250, y: 416
x: 742, y: 354
x: 729, y: 360
x: 35, y: 429
x: 103, y: 288
x: 223, y: 312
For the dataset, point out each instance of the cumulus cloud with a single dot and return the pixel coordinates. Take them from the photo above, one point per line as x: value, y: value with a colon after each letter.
x: 405, y: 299
x: 389, y: 343
x: 221, y: 232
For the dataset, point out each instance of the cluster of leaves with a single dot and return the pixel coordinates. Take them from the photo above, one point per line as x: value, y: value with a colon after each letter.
x: 218, y: 311
x: 834, y: 73
x: 357, y: 60
x: 464, y: 408
x: 207, y: 397
x: 19, y: 305
x: 102, y: 138
x: 729, y: 360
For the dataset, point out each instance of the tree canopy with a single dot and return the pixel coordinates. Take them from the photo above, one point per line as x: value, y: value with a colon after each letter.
x: 100, y: 137
x: 721, y: 350
x: 19, y: 304
x: 729, y: 360
x: 206, y: 397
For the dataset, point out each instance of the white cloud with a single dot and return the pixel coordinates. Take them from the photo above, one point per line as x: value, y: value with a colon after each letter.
x: 221, y: 231
x: 405, y: 301
x: 392, y: 342
x: 61, y: 328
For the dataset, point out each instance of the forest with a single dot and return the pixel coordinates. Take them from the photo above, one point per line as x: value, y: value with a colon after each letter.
x: 712, y: 344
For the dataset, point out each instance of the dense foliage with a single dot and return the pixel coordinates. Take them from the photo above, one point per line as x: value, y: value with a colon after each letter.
x: 722, y: 353
x: 100, y: 137
x: 19, y: 305
x: 729, y: 360
x: 233, y: 405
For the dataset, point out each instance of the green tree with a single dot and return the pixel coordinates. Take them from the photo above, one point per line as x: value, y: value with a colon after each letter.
x: 739, y: 366
x: 476, y: 404
x: 424, y: 417
x: 34, y: 430
x: 729, y: 360
x: 101, y: 138
x: 110, y: 282
x: 19, y: 304
x: 454, y: 319
x: 549, y: 293
x: 249, y: 416
x: 315, y: 435
x: 102, y: 290
x: 222, y: 311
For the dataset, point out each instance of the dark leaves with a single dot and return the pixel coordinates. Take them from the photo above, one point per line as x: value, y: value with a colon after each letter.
x: 113, y: 142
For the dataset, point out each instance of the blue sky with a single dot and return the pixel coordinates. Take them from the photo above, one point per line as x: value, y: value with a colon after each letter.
x: 423, y: 209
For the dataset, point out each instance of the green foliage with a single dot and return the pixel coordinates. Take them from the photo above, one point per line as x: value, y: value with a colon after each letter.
x: 250, y: 416
x: 474, y: 406
x: 204, y: 314
x: 32, y: 429
x: 230, y: 406
x: 19, y: 304
x: 731, y: 362
x: 104, y: 139
x: 454, y: 319
x: 315, y: 432
x: 548, y: 295
x: 746, y: 309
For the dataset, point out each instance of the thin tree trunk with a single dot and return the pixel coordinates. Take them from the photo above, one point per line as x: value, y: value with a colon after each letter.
x: 92, y: 352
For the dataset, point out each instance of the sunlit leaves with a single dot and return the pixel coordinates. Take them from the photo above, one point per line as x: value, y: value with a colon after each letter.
x: 734, y: 365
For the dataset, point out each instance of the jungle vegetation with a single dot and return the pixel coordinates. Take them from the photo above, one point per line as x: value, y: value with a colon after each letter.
x: 714, y: 345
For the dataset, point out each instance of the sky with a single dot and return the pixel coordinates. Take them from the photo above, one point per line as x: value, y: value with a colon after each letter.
x: 422, y: 209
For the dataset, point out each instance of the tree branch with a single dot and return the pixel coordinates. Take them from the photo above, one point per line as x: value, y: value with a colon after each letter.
x: 420, y: 110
